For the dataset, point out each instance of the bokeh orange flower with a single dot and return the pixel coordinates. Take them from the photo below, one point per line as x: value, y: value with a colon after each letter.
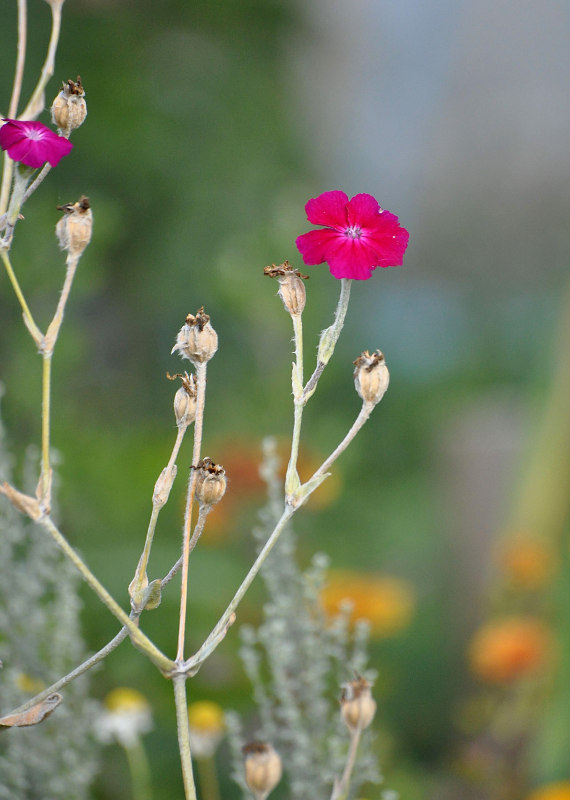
x: 527, y: 562
x: 386, y: 602
x: 509, y: 649
x: 551, y: 791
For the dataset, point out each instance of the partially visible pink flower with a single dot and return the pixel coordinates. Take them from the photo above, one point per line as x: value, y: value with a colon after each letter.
x: 32, y: 144
x: 358, y: 235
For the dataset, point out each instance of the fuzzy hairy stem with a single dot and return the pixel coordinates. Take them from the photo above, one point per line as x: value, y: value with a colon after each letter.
x: 179, y: 683
x: 140, y: 577
x: 36, y: 102
x: 35, y: 332
x: 361, y: 419
x: 96, y: 658
x: 15, y: 98
x: 292, y: 478
x: 139, y: 639
x: 329, y: 337
x: 341, y: 787
x: 221, y: 627
x: 198, y: 427
x: 40, y: 177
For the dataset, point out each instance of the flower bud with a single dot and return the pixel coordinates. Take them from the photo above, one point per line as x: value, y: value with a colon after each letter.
x: 74, y: 229
x: 197, y: 340
x: 371, y: 376
x: 68, y: 110
x: 185, y: 401
x: 357, y: 705
x: 291, y: 287
x: 210, y: 482
x: 163, y: 486
x: 262, y: 768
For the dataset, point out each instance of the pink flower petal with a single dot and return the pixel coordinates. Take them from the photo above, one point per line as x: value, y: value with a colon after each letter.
x: 328, y: 209
x: 57, y: 149
x: 389, y: 247
x: 314, y: 245
x: 25, y: 152
x: 9, y: 135
x: 32, y: 144
x: 363, y: 210
x: 351, y: 258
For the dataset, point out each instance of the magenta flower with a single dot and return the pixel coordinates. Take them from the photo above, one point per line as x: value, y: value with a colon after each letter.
x: 358, y: 235
x: 32, y: 144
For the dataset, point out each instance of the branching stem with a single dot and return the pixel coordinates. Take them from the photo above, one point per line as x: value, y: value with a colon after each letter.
x: 138, y: 638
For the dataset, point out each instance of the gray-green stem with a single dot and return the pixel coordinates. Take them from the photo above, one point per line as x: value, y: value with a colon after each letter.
x: 179, y: 683
x: 140, y: 578
x: 198, y: 426
x: 194, y: 662
x: 138, y: 638
x: 15, y: 98
x: 292, y: 478
x: 76, y: 673
x: 340, y: 789
x: 36, y: 103
x: 329, y: 338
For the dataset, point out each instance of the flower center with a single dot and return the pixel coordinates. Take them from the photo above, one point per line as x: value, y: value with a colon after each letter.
x: 353, y: 232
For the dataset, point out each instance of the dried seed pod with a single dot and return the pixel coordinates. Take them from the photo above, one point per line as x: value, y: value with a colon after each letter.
x: 74, y: 229
x: 185, y: 400
x: 197, y: 340
x: 357, y: 706
x: 291, y: 287
x: 211, y: 482
x: 68, y: 110
x: 371, y: 376
x: 263, y: 768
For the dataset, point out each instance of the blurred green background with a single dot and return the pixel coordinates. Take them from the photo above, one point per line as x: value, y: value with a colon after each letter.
x: 209, y: 127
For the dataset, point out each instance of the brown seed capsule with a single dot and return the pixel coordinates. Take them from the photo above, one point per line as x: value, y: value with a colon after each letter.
x: 357, y: 705
x: 263, y: 768
x: 291, y: 287
x: 185, y: 401
x: 68, y: 110
x: 197, y: 340
x: 211, y: 482
x: 74, y: 229
x: 371, y: 376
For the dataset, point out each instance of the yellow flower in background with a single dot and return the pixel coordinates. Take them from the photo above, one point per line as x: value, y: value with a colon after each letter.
x: 26, y: 683
x: 527, y: 562
x: 387, y: 602
x: 551, y: 791
x: 126, y: 716
x: 510, y: 649
x: 207, y: 725
x: 125, y: 699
